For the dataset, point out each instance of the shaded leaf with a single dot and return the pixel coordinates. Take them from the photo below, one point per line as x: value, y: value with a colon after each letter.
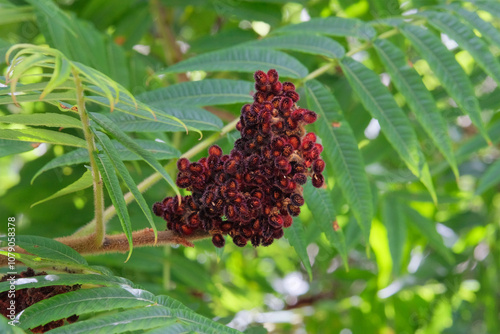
x: 83, y: 182
x: 49, y: 248
x: 9, y: 147
x: 84, y: 301
x: 393, y: 121
x: 334, y: 26
x: 487, y: 30
x: 296, y: 237
x: 489, y: 179
x: 241, y: 59
x: 109, y: 126
x: 114, y: 158
x: 112, y: 184
x: 320, y: 203
x: 307, y: 43
x: 428, y: 229
x: 342, y: 153
x: 420, y: 100
x: 161, y: 151
x: 200, y: 93
x: 193, y: 117
x: 466, y: 39
x: 394, y: 220
x: 66, y: 279
x: 43, y: 119
x: 451, y: 75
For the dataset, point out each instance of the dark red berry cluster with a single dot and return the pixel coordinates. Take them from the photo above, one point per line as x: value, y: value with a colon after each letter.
x: 30, y: 296
x: 252, y: 193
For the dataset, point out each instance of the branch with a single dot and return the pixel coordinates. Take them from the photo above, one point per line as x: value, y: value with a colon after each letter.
x: 118, y: 243
x: 97, y: 182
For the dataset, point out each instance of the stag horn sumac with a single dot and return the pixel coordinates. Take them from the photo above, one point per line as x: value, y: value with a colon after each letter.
x: 253, y: 192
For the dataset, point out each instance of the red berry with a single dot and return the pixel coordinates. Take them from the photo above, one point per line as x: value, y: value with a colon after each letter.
x: 182, y: 164
x: 318, y: 166
x: 276, y: 221
x: 260, y: 77
x: 310, y: 136
x: 285, y: 104
x: 215, y: 150
x: 240, y: 241
x: 293, y: 95
x: 318, y: 180
x: 272, y: 76
x: 218, y: 240
x: 309, y: 117
x: 288, y: 86
x: 297, y: 199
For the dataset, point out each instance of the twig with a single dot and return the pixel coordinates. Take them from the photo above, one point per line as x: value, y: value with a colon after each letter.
x: 118, y: 243
x: 97, y: 182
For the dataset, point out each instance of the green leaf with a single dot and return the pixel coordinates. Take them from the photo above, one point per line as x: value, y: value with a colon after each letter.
x: 161, y: 151
x: 66, y: 96
x: 420, y: 100
x: 7, y: 328
x: 466, y: 39
x: 134, y: 319
x: 52, y: 13
x: 489, y: 179
x: 333, y: 26
x: 394, y: 220
x: 241, y: 59
x: 82, y: 183
x: 487, y: 30
x: 112, y: 184
x: 143, y: 112
x: 84, y: 301
x: 428, y: 229
x: 37, y: 262
x: 296, y: 237
x: 114, y: 158
x: 16, y: 14
x: 342, y: 153
x: 193, y: 117
x: 200, y: 93
x: 49, y: 248
x: 320, y: 202
x: 4, y: 47
x: 307, y: 43
x: 109, y: 126
x: 180, y: 328
x: 393, y: 121
x: 451, y: 75
x: 66, y: 279
x: 62, y: 72
x: 9, y: 147
x: 43, y: 119
x: 190, y: 317
x: 488, y: 6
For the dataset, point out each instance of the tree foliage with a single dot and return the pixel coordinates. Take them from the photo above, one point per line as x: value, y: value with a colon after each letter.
x: 99, y: 98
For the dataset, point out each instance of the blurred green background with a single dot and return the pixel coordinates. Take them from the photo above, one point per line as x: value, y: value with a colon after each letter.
x: 449, y: 279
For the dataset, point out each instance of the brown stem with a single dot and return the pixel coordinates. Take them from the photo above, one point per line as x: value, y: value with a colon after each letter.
x: 171, y: 49
x: 118, y: 243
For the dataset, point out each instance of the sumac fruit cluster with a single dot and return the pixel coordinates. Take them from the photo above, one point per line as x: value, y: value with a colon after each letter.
x: 253, y: 192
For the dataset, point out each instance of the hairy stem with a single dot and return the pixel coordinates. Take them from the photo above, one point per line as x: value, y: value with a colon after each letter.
x: 154, y: 178
x: 118, y: 243
x: 99, y: 229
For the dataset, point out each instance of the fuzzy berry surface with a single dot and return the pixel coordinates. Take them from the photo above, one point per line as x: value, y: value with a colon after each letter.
x: 252, y: 193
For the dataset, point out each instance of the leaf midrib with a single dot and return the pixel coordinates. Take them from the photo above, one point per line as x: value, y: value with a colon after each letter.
x: 403, y: 143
